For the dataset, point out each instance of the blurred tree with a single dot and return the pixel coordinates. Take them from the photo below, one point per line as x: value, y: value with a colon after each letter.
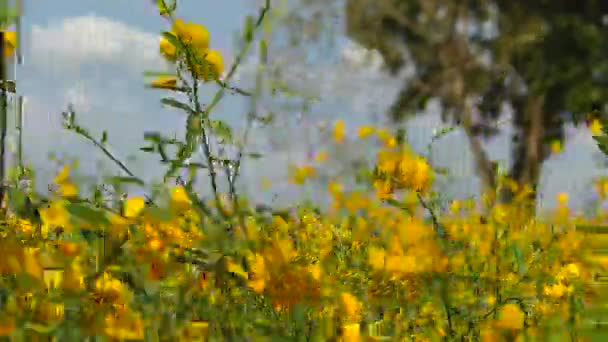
x: 543, y: 58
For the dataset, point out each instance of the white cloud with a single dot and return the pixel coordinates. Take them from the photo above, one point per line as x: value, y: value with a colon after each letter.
x: 76, y: 41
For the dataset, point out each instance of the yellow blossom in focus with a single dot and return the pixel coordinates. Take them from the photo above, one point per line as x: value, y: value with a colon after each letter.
x: 165, y: 82
x: 214, y: 65
x: 10, y: 43
x: 133, y: 206
x: 339, y: 131
x: 168, y: 50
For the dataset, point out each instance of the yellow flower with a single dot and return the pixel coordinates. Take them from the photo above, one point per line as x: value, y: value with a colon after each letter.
x: 56, y: 215
x: 165, y: 82
x: 339, y: 128
x: 66, y: 187
x: 351, y: 307
x: 179, y: 199
x: 10, y: 43
x: 569, y: 271
x: 511, y: 317
x: 257, y: 273
x: 214, y: 65
x: 192, y: 34
x: 596, y: 127
x: 124, y: 325
x: 351, y: 332
x: 168, y: 50
x: 300, y: 174
x: 31, y: 263
x: 365, y: 131
x: 133, y: 206
x: 556, y: 146
x: 110, y: 288
x: 562, y: 198
x: 557, y: 290
x: 376, y: 258
x: 384, y: 189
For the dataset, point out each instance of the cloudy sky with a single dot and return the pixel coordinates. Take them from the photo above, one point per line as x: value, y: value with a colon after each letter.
x: 92, y: 53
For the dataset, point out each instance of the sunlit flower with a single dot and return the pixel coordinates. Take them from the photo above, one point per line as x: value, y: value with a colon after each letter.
x: 10, y: 43
x: 596, y: 127
x: 165, y: 82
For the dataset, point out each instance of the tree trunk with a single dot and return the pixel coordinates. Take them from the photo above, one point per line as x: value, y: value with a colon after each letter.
x: 528, y: 152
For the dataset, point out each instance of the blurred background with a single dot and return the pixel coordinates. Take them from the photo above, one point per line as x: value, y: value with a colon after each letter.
x: 514, y: 76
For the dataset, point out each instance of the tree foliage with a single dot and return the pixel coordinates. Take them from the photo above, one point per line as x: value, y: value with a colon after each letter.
x: 548, y: 60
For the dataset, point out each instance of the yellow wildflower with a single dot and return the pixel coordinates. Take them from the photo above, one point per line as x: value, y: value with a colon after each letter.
x: 66, y: 187
x: 339, y: 133
x: 56, y: 215
x: 133, y: 206
x: 351, y: 332
x: 556, y: 146
x: 10, y: 43
x: 596, y: 127
x: 165, y: 82
x: 351, y: 307
x: 124, y: 325
x: 511, y: 317
x: 562, y: 198
x: 365, y: 131
x: 214, y: 65
x: 300, y: 174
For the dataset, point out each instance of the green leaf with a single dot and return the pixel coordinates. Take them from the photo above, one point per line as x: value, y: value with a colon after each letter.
x: 254, y: 155
x: 104, y: 137
x: 16, y: 199
x: 177, y: 104
x: 263, y: 52
x: 221, y: 129
x: 163, y: 214
x: 397, y: 204
x: 87, y: 214
x: 147, y: 149
x: 248, y: 29
x: 126, y: 179
x: 521, y: 263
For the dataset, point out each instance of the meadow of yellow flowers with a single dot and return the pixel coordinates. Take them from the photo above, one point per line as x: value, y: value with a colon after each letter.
x: 386, y: 263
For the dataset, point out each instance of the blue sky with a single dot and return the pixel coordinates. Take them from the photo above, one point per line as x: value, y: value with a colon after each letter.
x: 92, y: 53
